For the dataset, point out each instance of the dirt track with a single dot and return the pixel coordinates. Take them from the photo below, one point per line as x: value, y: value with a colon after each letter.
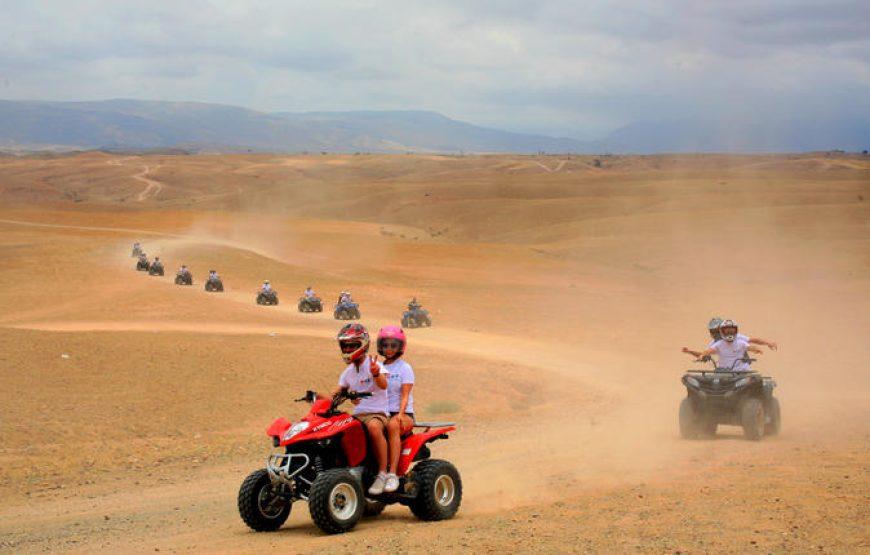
x: 560, y: 301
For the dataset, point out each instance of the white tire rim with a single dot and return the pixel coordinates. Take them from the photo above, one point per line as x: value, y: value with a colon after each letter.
x: 343, y: 501
x: 445, y: 490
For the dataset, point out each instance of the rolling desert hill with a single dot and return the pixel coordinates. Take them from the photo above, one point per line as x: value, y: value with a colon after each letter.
x: 561, y: 291
x: 138, y: 125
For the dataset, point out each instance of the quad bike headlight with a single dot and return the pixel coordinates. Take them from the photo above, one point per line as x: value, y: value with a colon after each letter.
x: 741, y: 382
x: 692, y: 381
x: 295, y: 429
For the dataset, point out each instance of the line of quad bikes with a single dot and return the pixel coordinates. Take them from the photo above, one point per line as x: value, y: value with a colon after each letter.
x: 324, y: 458
x: 344, y: 310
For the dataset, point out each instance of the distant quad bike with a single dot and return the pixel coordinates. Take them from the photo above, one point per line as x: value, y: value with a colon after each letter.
x: 143, y: 265
x: 416, y: 318
x: 267, y: 298
x: 183, y: 278
x: 214, y: 285
x: 137, y: 250
x: 725, y: 396
x: 347, y: 311
x: 325, y: 460
x: 310, y: 305
x: 156, y: 269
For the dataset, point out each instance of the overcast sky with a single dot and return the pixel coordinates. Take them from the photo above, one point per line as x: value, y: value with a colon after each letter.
x: 568, y: 68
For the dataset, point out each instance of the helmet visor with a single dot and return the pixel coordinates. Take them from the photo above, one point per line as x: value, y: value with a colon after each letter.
x: 349, y: 347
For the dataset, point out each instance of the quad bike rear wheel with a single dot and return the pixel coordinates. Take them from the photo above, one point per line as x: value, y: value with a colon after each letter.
x: 439, y: 490
x: 336, y: 501
x: 260, y: 508
x: 752, y: 418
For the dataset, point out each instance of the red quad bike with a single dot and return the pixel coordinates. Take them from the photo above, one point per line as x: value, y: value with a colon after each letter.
x: 324, y: 459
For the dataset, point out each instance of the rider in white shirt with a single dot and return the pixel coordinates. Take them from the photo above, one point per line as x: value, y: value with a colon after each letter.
x: 730, y: 349
x: 713, y: 328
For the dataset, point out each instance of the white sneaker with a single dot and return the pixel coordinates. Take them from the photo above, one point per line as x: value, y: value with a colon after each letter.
x: 378, y: 485
x: 392, y: 483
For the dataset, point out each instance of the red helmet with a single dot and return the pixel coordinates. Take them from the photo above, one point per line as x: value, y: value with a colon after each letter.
x: 392, y: 332
x: 353, y: 340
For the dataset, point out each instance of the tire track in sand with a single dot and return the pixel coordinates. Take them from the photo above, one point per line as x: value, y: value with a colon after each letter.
x: 152, y: 188
x: 558, y: 167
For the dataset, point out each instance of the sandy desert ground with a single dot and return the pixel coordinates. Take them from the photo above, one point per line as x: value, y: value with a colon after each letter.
x: 561, y: 293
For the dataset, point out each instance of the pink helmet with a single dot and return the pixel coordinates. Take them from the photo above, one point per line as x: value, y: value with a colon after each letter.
x: 392, y: 332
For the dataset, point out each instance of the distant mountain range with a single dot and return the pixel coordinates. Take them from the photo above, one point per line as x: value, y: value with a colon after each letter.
x: 199, y: 127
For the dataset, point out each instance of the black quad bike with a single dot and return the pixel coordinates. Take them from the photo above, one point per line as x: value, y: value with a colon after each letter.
x: 183, y: 278
x: 214, y: 285
x: 267, y: 297
x: 156, y: 269
x: 312, y: 304
x: 324, y: 458
x: 416, y: 318
x: 347, y: 311
x: 143, y: 265
x: 726, y: 396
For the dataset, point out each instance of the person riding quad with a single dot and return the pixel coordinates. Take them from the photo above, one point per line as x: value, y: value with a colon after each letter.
x: 391, y: 346
x: 309, y: 293
x: 213, y: 275
x: 715, y: 335
x: 143, y: 257
x: 183, y: 271
x: 731, y: 349
x: 414, y: 305
x: 345, y: 297
x: 267, y: 287
x: 364, y: 375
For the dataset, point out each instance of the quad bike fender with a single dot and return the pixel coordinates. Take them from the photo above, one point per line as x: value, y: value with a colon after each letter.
x: 411, y: 446
x: 278, y: 427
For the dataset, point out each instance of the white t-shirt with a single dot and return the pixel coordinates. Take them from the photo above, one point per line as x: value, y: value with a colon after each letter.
x: 729, y: 351
x: 400, y: 373
x: 361, y: 381
x: 740, y: 337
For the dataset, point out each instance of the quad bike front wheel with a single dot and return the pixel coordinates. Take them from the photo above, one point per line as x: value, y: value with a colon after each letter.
x: 773, y: 418
x: 752, y: 418
x: 689, y: 419
x: 439, y: 490
x: 336, y: 501
x: 259, y: 506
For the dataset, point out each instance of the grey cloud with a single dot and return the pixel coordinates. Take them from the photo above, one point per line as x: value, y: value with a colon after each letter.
x: 538, y: 66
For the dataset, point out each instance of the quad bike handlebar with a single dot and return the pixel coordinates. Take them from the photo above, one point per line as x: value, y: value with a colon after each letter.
x: 708, y: 358
x: 337, y: 399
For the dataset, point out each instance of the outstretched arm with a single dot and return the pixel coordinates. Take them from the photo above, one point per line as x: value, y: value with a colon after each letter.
x: 688, y: 351
x: 769, y: 344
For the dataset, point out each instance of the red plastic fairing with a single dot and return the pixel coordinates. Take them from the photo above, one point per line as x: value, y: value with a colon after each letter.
x: 278, y: 427
x: 413, y: 443
x: 354, y: 443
